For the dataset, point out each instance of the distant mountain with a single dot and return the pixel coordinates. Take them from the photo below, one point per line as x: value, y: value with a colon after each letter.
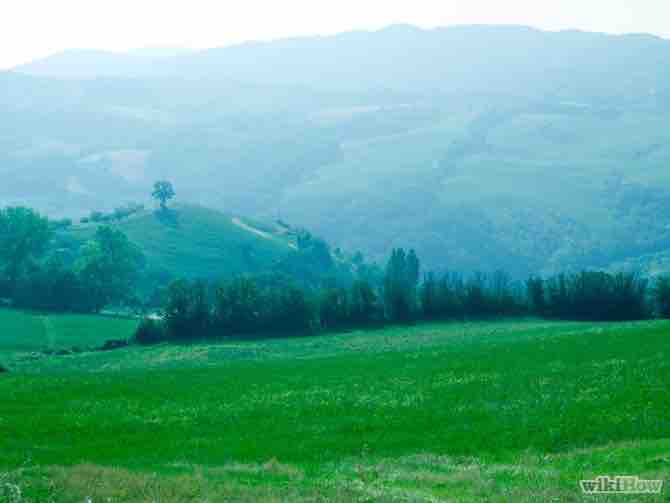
x: 160, y: 52
x: 512, y: 61
x: 483, y: 147
x: 90, y: 64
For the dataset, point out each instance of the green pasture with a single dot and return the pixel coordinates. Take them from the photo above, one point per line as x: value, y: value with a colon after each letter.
x: 504, y: 411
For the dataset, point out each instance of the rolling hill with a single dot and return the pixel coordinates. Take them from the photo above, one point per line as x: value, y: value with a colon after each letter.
x: 196, y: 242
x: 483, y: 147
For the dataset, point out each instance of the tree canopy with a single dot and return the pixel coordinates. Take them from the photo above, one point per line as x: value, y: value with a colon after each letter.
x: 163, y: 192
x: 108, y: 265
x: 24, y: 235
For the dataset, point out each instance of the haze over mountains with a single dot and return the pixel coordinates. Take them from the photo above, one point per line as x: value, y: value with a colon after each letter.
x: 90, y: 63
x: 482, y: 146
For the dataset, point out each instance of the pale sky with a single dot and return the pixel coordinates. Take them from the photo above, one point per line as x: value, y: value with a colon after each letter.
x: 31, y: 29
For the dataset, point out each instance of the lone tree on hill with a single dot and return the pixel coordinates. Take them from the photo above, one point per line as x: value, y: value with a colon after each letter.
x: 163, y: 192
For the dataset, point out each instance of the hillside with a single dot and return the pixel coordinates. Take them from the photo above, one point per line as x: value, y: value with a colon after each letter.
x: 197, y: 242
x: 483, y: 147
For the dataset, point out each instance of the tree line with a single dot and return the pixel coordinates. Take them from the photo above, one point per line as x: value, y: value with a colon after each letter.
x: 299, y: 296
x: 248, y: 306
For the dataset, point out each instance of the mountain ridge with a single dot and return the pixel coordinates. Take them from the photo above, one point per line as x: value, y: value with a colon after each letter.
x: 392, y: 42
x: 76, y: 64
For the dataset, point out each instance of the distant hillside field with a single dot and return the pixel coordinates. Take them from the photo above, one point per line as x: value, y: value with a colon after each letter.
x: 196, y: 242
x: 484, y: 147
x: 468, y: 412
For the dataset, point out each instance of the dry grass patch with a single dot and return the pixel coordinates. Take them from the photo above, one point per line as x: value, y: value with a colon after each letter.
x: 271, y: 467
x: 88, y: 483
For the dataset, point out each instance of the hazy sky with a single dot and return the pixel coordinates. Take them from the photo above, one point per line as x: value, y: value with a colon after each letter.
x: 31, y: 29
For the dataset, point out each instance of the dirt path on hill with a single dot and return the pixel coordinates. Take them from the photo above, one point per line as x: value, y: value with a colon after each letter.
x: 258, y: 232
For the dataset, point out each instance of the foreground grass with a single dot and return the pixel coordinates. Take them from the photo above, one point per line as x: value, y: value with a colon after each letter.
x: 422, y: 477
x: 513, y: 411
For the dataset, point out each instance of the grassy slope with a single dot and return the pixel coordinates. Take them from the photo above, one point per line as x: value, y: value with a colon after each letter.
x: 198, y: 242
x: 497, y: 411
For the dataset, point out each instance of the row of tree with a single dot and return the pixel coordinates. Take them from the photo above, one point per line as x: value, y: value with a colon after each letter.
x: 250, y: 306
x: 596, y: 296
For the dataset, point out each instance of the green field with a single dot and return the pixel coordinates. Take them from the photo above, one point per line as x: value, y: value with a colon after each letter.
x: 28, y: 331
x: 506, y: 411
x: 197, y: 242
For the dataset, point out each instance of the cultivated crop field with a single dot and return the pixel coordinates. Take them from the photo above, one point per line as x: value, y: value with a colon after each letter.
x: 505, y: 411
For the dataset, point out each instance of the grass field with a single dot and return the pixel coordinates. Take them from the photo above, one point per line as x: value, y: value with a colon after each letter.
x: 28, y: 331
x: 506, y: 411
x: 197, y: 242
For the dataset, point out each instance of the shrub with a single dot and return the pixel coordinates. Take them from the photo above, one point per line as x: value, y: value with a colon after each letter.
x: 334, y: 309
x: 112, y: 344
x: 126, y: 211
x: 60, y: 224
x: 5, y: 292
x: 662, y: 297
x: 3, y: 369
x: 239, y: 307
x: 96, y: 216
x: 149, y: 332
x: 51, y: 287
x: 597, y: 296
x: 363, y: 305
x: 187, y: 310
x: 294, y: 313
